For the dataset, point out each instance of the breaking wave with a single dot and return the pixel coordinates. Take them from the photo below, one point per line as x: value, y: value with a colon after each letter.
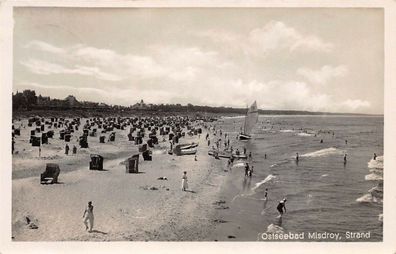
x: 303, y: 134
x: 323, y: 152
x: 286, y: 131
x: 374, y: 177
x: 377, y: 163
x: 267, y: 179
x: 272, y: 228
x: 368, y: 198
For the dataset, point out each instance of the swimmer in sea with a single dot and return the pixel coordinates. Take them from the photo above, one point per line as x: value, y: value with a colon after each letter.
x: 345, y: 159
x: 297, y: 157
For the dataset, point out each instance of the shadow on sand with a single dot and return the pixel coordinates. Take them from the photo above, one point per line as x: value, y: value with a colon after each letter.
x: 97, y: 231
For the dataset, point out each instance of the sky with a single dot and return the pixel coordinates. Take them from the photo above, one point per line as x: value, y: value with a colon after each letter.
x: 315, y: 59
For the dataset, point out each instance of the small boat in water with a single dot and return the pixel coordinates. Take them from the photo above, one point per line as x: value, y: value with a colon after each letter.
x: 251, y: 119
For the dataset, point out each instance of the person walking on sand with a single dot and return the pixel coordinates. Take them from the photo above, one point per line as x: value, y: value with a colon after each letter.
x: 89, y: 217
x: 281, y: 206
x: 184, y: 181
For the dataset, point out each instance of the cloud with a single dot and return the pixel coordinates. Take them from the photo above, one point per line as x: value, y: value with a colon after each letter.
x: 169, y: 74
x: 71, y: 89
x: 324, y: 74
x: 277, y: 35
x: 45, y: 68
x: 356, y: 104
x: 181, y: 64
x: 43, y: 46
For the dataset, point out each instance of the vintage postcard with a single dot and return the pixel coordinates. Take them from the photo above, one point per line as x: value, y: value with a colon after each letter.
x: 255, y: 126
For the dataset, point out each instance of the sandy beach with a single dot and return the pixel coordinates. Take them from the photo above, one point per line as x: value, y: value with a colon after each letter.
x: 127, y: 207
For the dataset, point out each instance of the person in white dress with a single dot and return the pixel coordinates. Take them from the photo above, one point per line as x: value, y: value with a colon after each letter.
x: 184, y: 181
x: 89, y: 216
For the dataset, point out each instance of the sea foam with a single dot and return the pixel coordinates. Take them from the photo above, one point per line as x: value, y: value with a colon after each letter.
x: 286, y: 131
x: 267, y: 179
x: 303, y: 134
x: 367, y: 198
x: 374, y: 177
x: 272, y: 228
x: 378, y: 163
x: 323, y: 152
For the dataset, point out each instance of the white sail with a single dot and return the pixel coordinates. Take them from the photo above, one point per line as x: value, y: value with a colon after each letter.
x: 251, y: 119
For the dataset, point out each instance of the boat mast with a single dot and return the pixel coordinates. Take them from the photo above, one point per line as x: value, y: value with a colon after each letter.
x: 246, y: 118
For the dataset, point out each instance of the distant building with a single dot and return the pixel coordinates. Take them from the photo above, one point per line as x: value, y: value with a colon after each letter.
x: 141, y: 105
x: 71, y: 101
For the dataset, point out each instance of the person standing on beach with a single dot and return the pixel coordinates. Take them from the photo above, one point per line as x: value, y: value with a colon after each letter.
x: 281, y: 206
x: 345, y: 159
x: 74, y: 149
x: 184, y: 181
x: 67, y: 149
x: 89, y: 217
x: 375, y: 156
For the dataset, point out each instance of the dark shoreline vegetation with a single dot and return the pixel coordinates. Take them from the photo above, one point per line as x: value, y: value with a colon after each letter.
x: 27, y: 104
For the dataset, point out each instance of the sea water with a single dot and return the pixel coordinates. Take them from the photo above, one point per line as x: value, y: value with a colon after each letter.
x: 323, y: 193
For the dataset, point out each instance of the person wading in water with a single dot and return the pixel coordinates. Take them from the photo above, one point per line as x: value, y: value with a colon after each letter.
x: 281, y: 206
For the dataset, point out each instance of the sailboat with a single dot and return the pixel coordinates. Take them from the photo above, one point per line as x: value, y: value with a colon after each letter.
x: 250, y: 121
